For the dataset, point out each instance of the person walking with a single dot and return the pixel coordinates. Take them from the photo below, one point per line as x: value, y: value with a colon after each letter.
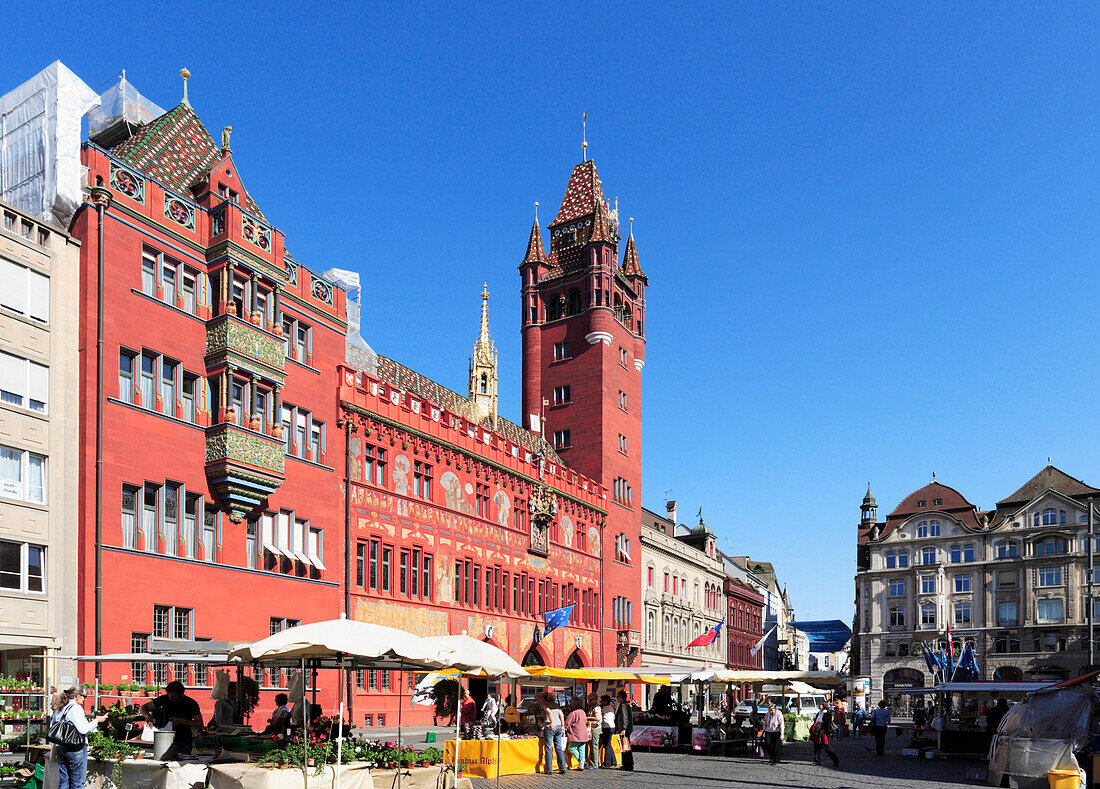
x: 774, y: 726
x: 822, y: 728
x: 839, y: 718
x: 879, y: 723
x: 859, y: 716
x: 624, y: 727
x: 577, y: 734
x: 920, y: 715
x: 607, y: 728
x: 72, y: 760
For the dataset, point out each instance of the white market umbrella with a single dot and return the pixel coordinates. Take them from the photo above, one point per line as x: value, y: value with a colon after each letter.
x: 471, y: 656
x: 333, y: 639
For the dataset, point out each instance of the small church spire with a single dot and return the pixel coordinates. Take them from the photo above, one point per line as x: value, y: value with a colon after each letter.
x: 186, y: 76
x: 483, y: 366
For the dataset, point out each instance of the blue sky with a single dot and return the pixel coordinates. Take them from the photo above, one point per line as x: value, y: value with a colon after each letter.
x: 870, y: 229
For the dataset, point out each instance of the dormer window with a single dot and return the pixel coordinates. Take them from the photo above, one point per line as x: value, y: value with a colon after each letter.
x: 937, y: 502
x: 922, y: 502
x: 229, y: 194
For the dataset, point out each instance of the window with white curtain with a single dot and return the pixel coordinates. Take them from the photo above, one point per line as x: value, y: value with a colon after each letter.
x: 129, y: 516
x: 315, y: 549
x: 149, y: 511
x: 191, y: 509
x: 210, y: 534
x: 22, y: 475
x: 23, y: 383
x: 24, y: 291
x: 171, y: 519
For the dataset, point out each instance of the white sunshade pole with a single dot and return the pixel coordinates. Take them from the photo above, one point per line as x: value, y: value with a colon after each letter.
x: 340, y: 724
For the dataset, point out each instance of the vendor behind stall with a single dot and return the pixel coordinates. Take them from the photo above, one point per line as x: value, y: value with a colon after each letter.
x: 180, y: 710
x: 662, y: 702
x: 280, y: 718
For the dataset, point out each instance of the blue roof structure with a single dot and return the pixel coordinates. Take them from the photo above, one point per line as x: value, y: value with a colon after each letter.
x: 825, y: 635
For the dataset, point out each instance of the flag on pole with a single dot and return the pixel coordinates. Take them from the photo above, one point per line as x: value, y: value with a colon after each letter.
x: 423, y: 692
x: 950, y: 652
x: 760, y: 643
x: 555, y: 619
x: 930, y: 660
x: 707, y: 638
x: 968, y: 663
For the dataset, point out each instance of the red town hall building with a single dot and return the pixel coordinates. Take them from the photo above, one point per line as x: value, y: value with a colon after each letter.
x: 219, y: 473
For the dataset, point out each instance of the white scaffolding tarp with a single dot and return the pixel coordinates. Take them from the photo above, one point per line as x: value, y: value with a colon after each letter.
x: 40, y: 170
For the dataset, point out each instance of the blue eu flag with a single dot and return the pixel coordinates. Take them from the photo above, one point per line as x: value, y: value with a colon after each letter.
x: 555, y: 619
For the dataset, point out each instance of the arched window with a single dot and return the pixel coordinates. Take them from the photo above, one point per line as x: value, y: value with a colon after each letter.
x: 532, y: 658
x: 574, y: 660
x: 665, y: 640
x: 650, y: 620
x: 898, y: 678
x: 934, y: 528
x: 484, y: 383
x: 573, y: 305
x: 922, y: 529
x: 1050, y: 516
x: 1008, y: 674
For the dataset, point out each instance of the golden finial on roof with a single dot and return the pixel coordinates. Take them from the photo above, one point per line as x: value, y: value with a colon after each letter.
x: 584, y: 137
x: 536, y: 212
x: 225, y: 139
x: 186, y: 76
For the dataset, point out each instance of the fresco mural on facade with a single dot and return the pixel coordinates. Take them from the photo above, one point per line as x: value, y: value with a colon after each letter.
x: 418, y: 621
x: 504, y: 506
x: 401, y: 468
x: 567, y: 530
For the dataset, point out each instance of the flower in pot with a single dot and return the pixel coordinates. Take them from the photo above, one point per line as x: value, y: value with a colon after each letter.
x: 150, y: 689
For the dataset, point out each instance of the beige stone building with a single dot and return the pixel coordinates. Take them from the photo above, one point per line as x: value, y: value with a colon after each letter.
x: 1012, y: 581
x: 682, y: 582
x: 38, y: 444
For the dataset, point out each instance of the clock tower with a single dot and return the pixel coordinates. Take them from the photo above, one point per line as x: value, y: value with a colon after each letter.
x: 583, y: 354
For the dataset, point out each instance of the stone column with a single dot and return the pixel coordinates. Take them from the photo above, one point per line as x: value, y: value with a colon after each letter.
x: 253, y: 397
x: 277, y: 308
x: 227, y: 285
x: 254, y: 300
x: 277, y: 411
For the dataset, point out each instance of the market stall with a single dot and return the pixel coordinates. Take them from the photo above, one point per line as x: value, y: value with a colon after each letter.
x: 514, y: 757
x: 962, y: 728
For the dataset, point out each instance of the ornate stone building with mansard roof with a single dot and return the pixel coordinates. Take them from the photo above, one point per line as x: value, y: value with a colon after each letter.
x: 1012, y: 581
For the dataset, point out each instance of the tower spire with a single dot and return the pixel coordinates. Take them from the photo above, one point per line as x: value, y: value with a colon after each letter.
x: 584, y: 137
x: 483, y: 366
x: 186, y: 76
x: 483, y: 339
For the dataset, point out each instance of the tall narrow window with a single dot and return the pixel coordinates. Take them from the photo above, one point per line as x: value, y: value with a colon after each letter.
x: 148, y: 380
x: 187, y: 289
x: 171, y: 519
x: 210, y: 534
x: 126, y: 376
x: 149, y: 527
x: 251, y: 543
x: 414, y: 575
x: 188, y: 396
x: 168, y: 386
x: 168, y: 280
x: 129, y: 516
x: 387, y: 560
x: 149, y: 273
x: 191, y: 525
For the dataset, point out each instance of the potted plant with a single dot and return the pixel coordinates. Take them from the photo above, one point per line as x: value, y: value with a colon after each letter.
x: 150, y: 690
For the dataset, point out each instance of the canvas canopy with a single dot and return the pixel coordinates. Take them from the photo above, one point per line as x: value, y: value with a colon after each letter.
x: 796, y: 688
x: 828, y: 678
x: 568, y: 676
x: 977, y: 687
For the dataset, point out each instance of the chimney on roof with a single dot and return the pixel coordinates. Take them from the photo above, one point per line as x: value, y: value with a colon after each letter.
x: 670, y: 511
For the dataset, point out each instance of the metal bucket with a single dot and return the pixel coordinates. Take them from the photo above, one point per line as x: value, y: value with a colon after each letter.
x: 162, y: 744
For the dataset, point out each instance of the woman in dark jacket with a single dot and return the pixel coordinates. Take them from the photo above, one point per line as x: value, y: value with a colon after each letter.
x: 820, y: 732
x: 624, y: 727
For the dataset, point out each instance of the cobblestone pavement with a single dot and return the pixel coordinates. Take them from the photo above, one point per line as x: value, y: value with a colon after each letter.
x: 858, y: 769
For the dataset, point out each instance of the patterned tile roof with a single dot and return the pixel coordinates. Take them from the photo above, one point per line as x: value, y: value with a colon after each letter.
x: 631, y: 267
x: 601, y: 227
x: 582, y: 194
x: 176, y: 150
x: 536, y: 251
x: 416, y: 384
x: 1050, y: 478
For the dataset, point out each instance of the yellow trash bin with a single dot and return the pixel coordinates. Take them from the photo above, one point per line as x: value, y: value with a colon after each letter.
x: 1064, y: 779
